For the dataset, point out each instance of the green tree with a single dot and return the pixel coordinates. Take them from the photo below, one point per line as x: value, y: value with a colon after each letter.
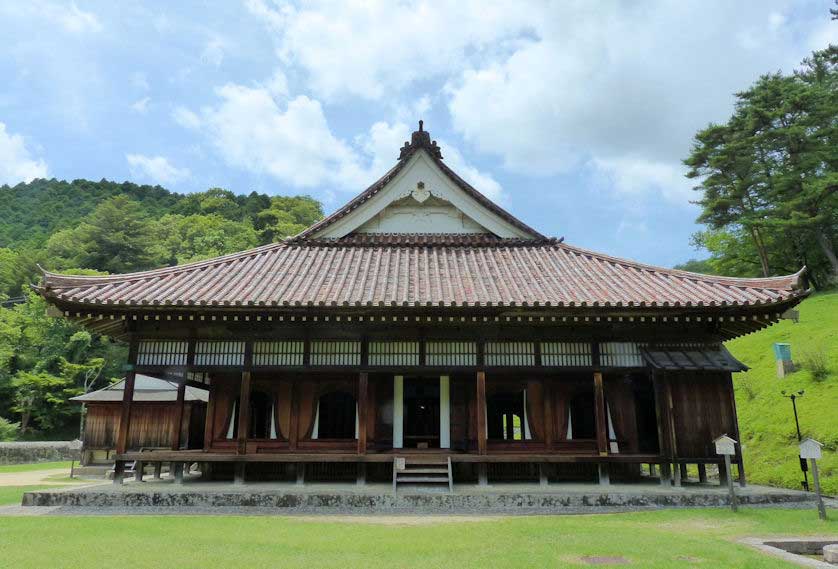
x: 288, y: 216
x: 183, y: 239
x: 115, y: 238
x: 770, y: 174
x: 8, y: 430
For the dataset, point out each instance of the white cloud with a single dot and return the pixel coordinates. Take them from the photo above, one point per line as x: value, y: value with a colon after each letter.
x: 156, y: 169
x: 290, y: 141
x: 213, y: 53
x: 141, y: 105
x: 621, y: 91
x: 483, y: 182
x: 139, y: 80
x: 372, y: 48
x: 551, y: 87
x: 634, y: 175
x: 72, y: 18
x: 186, y: 118
x: 16, y: 161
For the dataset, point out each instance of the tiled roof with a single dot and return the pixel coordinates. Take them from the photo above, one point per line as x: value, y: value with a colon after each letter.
x: 361, y: 272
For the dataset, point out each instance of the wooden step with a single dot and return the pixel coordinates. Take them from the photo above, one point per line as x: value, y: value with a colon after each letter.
x: 422, y: 479
x: 411, y: 470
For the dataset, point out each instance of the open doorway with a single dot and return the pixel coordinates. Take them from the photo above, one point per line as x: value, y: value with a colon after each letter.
x: 421, y: 412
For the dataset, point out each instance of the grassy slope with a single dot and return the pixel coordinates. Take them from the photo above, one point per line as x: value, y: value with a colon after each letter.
x: 766, y: 420
x: 692, y: 538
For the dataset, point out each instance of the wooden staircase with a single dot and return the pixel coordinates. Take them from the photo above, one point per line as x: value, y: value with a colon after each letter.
x: 419, y: 472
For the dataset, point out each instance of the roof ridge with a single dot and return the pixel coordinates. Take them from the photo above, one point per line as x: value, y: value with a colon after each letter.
x: 795, y: 278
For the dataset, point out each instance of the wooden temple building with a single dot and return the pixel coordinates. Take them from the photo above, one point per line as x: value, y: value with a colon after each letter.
x: 423, y: 324
x: 157, y: 406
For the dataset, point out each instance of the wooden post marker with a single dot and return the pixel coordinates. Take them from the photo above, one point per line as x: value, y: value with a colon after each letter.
x: 726, y: 447
x: 811, y: 449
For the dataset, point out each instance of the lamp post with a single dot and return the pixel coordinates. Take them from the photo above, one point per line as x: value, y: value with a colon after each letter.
x: 804, y: 467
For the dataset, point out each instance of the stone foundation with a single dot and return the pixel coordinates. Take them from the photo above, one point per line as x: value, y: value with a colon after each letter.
x: 461, y: 502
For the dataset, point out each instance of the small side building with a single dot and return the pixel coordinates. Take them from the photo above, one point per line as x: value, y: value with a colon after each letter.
x: 155, y: 412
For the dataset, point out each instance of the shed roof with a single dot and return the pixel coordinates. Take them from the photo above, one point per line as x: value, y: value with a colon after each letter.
x: 146, y: 388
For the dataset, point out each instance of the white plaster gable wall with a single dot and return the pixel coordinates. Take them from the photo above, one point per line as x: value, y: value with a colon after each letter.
x: 421, y: 168
x: 411, y: 216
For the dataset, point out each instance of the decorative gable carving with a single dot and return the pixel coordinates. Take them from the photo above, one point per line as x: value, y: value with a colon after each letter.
x: 424, y: 199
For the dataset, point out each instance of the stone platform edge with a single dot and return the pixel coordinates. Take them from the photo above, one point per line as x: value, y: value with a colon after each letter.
x: 394, y: 503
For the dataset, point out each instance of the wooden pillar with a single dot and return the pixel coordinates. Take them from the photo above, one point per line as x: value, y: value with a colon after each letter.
x: 127, y: 400
x: 125, y: 415
x: 543, y: 478
x: 177, y: 425
x: 398, y: 411
x: 600, y: 415
x: 139, y: 471
x: 670, y: 426
x: 176, y: 469
x: 604, y: 474
x: 702, y: 473
x: 244, y: 412
x: 238, y: 473
x: 549, y: 427
x: 363, y: 379
x: 294, y: 429
x: 740, y: 462
x: 663, y: 432
x: 444, y: 411
x: 209, y: 419
x: 481, y: 412
x: 684, y: 472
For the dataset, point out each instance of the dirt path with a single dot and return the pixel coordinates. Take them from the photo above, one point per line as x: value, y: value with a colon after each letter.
x: 34, y: 477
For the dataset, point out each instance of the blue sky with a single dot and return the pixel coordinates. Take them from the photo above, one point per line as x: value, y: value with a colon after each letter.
x: 573, y: 115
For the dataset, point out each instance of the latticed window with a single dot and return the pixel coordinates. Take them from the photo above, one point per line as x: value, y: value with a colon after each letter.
x: 162, y: 352
x: 620, y: 354
x: 509, y: 354
x: 278, y: 353
x: 199, y: 377
x: 393, y: 353
x: 219, y: 353
x: 335, y: 353
x: 439, y: 353
x: 567, y: 354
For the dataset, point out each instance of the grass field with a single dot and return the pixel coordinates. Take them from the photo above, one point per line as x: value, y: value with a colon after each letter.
x: 33, y: 467
x: 766, y: 420
x: 651, y: 539
x: 11, y: 495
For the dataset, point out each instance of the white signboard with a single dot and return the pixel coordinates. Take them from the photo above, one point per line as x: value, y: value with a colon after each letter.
x: 810, y: 449
x: 725, y: 445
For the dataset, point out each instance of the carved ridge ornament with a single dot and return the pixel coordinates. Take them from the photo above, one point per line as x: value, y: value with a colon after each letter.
x: 420, y: 193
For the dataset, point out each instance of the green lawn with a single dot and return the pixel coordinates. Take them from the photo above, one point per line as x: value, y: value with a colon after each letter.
x: 11, y: 495
x: 34, y: 466
x: 766, y: 420
x: 649, y: 539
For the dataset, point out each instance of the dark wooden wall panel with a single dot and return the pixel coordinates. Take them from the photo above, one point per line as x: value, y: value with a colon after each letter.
x: 702, y: 407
